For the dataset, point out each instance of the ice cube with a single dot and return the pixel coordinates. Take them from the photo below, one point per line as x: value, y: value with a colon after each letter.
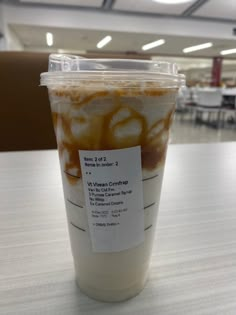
x: 120, y: 115
x: 159, y: 126
x: 99, y: 106
x: 155, y: 109
x: 134, y: 103
x: 79, y: 126
x: 127, y: 133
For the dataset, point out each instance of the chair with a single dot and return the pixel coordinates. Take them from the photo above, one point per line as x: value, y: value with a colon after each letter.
x: 228, y: 109
x: 209, y: 101
x: 25, y: 118
x: 185, y: 101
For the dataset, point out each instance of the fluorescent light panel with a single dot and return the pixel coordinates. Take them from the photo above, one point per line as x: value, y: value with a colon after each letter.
x: 228, y: 51
x: 153, y: 44
x: 197, y: 47
x: 49, y: 39
x: 104, y: 41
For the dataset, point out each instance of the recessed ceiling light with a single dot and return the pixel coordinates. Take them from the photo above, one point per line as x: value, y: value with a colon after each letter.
x: 228, y: 51
x: 172, y: 1
x: 197, y: 47
x: 49, y: 39
x: 153, y: 44
x: 104, y: 41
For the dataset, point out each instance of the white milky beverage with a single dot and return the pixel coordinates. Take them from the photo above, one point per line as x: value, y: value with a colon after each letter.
x: 112, y: 121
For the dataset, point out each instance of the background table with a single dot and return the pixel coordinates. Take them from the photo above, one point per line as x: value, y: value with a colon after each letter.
x: 194, y: 258
x: 229, y: 91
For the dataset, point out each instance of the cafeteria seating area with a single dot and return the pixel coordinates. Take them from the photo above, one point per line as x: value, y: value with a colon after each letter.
x: 205, y: 114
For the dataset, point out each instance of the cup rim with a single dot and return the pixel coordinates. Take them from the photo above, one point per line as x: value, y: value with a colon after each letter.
x: 71, y: 69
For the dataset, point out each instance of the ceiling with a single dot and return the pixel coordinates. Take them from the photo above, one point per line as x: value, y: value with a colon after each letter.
x: 210, y: 9
x: 33, y: 38
x: 73, y: 39
x: 150, y: 7
x: 87, y: 3
x: 221, y: 9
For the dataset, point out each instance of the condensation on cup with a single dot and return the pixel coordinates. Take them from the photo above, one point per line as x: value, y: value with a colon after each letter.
x: 112, y: 119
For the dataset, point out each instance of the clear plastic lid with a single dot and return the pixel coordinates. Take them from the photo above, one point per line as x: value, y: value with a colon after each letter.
x: 70, y: 69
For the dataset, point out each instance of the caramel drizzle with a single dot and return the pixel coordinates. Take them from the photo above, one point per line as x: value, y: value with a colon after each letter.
x: 101, y: 135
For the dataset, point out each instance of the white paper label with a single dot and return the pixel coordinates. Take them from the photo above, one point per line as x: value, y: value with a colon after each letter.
x: 112, y: 181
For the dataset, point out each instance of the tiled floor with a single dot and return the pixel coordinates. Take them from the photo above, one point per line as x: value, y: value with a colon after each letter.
x: 184, y: 130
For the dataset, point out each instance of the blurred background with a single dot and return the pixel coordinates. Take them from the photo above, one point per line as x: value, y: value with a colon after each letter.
x: 199, y: 35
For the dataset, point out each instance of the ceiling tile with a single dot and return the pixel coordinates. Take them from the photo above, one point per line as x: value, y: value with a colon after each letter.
x: 150, y: 6
x: 224, y: 9
x: 85, y: 3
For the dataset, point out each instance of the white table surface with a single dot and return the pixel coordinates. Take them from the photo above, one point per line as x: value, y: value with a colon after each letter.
x: 194, y: 258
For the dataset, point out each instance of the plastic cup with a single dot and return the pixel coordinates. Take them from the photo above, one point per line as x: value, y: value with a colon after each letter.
x: 112, y: 119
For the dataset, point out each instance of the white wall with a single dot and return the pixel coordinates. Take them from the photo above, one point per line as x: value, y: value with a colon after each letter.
x: 12, y: 41
x: 1, y: 17
x: 9, y: 41
x: 2, y: 39
x: 201, y: 74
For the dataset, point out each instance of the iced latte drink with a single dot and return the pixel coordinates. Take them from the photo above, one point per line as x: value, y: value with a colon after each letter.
x: 112, y: 120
